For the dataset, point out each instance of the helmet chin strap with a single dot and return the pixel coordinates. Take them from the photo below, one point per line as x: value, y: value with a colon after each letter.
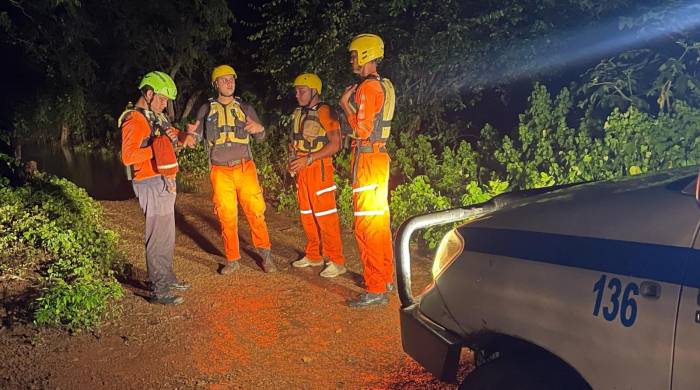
x: 313, y: 95
x: 148, y: 102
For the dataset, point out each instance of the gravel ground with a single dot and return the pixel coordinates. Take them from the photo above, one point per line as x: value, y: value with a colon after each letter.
x: 290, y: 329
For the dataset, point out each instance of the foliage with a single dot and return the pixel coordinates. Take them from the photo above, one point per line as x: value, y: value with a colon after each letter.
x: 194, y: 161
x: 344, y: 200
x: 418, y: 197
x: 439, y: 54
x: 639, y: 143
x: 548, y: 151
x: 55, y: 227
x: 645, y: 78
x: 654, y: 76
x: 65, y: 48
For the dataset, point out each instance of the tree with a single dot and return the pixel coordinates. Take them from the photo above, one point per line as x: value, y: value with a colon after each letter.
x: 662, y: 68
x: 55, y: 36
x: 440, y: 54
x: 87, y: 70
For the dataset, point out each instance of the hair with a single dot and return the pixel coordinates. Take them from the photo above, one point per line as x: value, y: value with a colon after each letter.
x: 145, y: 89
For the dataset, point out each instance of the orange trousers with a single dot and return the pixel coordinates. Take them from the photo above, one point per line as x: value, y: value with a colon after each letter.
x: 319, y: 215
x: 231, y: 185
x: 370, y: 191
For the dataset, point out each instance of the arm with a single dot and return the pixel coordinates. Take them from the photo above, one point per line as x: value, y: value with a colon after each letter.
x: 134, y: 130
x: 197, y: 128
x: 332, y: 127
x: 369, y: 99
x: 252, y: 122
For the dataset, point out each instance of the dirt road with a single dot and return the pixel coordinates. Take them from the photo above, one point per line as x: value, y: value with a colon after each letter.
x: 249, y: 330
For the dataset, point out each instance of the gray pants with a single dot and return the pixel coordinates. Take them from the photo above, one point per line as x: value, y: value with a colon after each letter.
x: 158, y: 206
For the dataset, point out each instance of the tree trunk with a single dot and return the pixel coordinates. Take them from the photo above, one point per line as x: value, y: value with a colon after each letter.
x: 190, y: 103
x: 68, y: 156
x: 16, y: 145
x: 171, y: 110
x: 65, y: 135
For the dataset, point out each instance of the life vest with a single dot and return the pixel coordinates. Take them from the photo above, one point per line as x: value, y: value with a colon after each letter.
x: 308, y: 135
x: 382, y: 122
x: 158, y: 140
x: 225, y: 124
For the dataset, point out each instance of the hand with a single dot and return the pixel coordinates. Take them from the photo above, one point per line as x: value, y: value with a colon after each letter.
x: 253, y: 127
x: 297, y: 165
x: 172, y: 133
x: 349, y: 90
x: 190, y: 141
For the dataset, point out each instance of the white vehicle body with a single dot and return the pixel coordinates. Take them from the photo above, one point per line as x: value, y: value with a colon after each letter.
x: 603, y: 276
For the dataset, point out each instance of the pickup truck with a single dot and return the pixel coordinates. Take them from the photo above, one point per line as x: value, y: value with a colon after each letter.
x: 595, y: 285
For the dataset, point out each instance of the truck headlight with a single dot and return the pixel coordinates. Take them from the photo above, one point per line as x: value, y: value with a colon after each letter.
x: 450, y: 247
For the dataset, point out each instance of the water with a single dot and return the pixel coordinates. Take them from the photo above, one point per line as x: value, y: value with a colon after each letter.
x: 101, y: 174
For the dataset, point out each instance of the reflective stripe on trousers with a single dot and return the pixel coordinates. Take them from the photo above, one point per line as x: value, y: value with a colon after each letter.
x: 231, y: 185
x: 319, y: 215
x: 372, y: 218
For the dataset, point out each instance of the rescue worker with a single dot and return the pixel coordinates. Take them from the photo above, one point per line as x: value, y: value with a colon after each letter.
x: 368, y: 106
x: 226, y: 124
x: 140, y: 125
x: 315, y: 138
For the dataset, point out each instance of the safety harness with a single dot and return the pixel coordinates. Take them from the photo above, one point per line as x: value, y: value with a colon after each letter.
x: 163, y: 148
x: 225, y: 127
x: 382, y: 122
x: 226, y: 123
x: 308, y: 135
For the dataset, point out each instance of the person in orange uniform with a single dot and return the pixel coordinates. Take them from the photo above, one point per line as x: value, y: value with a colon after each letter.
x: 227, y: 125
x: 139, y: 125
x: 315, y: 138
x: 369, y: 107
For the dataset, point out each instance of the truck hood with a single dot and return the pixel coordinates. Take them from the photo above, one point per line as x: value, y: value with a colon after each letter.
x: 651, y: 209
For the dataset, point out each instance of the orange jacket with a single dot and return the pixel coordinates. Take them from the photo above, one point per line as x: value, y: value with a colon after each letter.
x: 135, y: 150
x: 369, y: 99
x: 328, y: 120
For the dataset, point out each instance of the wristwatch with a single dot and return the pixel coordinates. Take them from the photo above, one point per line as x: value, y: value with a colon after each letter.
x: 309, y: 159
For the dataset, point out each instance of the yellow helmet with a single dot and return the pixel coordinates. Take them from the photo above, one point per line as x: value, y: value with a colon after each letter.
x: 368, y: 47
x: 309, y: 80
x: 222, y: 70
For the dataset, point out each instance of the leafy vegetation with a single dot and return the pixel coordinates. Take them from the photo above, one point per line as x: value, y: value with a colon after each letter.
x: 52, y: 227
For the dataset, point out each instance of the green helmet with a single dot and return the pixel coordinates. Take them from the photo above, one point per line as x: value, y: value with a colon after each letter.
x: 161, y: 83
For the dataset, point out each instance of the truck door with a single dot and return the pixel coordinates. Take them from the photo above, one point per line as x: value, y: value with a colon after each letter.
x: 686, y: 360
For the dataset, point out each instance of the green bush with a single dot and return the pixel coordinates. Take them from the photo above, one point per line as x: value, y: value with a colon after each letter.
x: 194, y: 161
x: 548, y: 151
x: 344, y: 201
x: 418, y: 197
x: 56, y: 229
x: 545, y: 151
